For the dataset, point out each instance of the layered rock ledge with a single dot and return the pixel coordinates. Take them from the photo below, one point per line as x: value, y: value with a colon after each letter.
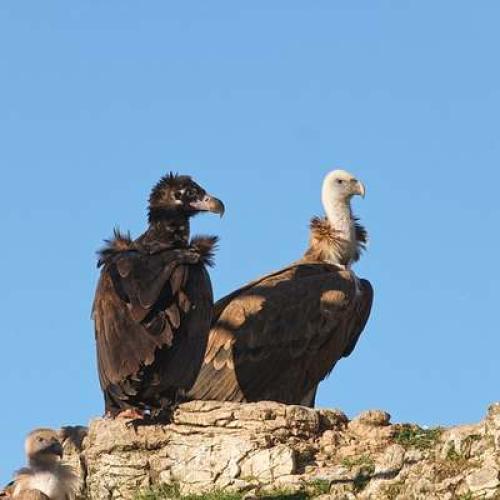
x: 261, y: 448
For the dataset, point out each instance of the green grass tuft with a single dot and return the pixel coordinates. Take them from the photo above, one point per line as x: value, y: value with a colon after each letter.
x: 284, y: 495
x: 356, y: 461
x: 366, y: 469
x: 172, y: 492
x: 363, y: 478
x: 318, y: 487
x: 413, y: 436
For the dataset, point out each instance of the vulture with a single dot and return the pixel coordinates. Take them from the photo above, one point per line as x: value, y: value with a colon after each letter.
x: 153, y: 304
x: 277, y: 337
x: 45, y: 477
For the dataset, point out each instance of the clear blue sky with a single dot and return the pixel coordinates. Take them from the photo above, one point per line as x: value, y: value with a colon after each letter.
x: 257, y: 100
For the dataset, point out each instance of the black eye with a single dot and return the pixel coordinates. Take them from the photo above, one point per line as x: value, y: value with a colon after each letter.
x: 177, y: 195
x: 340, y: 181
x: 39, y: 439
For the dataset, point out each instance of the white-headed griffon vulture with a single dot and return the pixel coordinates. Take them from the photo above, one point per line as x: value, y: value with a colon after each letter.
x: 279, y: 336
x: 153, y: 304
x: 45, y: 477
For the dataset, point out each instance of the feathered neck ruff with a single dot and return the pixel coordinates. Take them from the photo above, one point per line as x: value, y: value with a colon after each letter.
x: 167, y: 229
x: 328, y: 245
x: 204, y: 246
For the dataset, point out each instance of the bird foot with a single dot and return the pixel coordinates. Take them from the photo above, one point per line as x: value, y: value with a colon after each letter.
x: 155, y: 417
x: 163, y: 416
x: 130, y: 414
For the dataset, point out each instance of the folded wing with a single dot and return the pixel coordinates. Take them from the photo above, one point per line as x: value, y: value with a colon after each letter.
x: 278, y: 337
x: 152, y: 314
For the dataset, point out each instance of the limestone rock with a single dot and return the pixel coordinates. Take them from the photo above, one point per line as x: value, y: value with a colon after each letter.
x: 391, y: 461
x: 256, y: 448
x: 376, y: 418
x: 484, y: 481
x: 372, y: 425
x: 461, y: 439
x: 492, y: 424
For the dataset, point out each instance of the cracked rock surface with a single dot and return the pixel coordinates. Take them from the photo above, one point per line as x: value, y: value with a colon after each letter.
x: 260, y: 447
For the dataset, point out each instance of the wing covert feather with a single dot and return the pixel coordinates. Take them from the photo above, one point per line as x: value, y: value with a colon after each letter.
x: 279, y: 336
x: 144, y: 316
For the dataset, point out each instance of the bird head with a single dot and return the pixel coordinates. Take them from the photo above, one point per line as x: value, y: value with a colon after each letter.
x: 179, y: 194
x: 341, y: 185
x: 43, y: 445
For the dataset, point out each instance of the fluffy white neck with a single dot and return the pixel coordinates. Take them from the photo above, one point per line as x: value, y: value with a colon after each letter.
x: 339, y: 214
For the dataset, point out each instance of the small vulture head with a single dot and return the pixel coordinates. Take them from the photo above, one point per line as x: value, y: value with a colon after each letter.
x: 341, y: 185
x: 43, y: 445
x: 179, y: 194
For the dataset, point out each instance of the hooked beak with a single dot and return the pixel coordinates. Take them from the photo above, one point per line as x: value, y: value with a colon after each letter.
x: 360, y: 189
x: 55, y: 448
x: 209, y: 204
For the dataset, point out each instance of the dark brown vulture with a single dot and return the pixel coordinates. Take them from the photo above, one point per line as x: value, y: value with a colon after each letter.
x: 279, y: 336
x: 45, y: 477
x: 153, y: 304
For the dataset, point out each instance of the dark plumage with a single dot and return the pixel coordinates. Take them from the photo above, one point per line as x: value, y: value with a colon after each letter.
x: 279, y: 336
x: 153, y: 303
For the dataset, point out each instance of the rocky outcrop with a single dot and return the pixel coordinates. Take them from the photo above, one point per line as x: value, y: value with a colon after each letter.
x: 263, y: 447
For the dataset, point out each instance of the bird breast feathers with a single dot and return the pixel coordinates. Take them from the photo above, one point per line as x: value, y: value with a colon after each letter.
x: 58, y: 484
x: 46, y: 482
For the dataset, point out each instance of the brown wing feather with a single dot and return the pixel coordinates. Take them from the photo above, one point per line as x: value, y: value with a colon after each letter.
x: 361, y: 313
x: 361, y: 239
x: 279, y: 337
x: 150, y: 310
